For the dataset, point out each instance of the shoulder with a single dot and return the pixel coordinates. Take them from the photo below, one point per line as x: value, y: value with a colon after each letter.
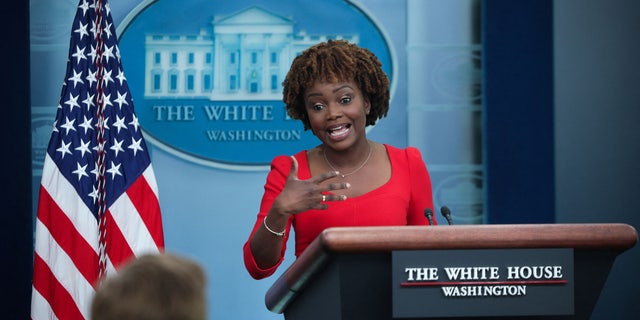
x: 413, y: 154
x: 409, y: 153
x: 283, y: 162
x: 300, y: 156
x: 280, y: 162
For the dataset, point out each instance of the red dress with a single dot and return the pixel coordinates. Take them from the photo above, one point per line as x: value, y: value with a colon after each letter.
x: 400, y: 201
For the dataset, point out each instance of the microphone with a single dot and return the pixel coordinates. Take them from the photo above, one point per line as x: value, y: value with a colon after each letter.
x: 429, y: 214
x: 446, y: 213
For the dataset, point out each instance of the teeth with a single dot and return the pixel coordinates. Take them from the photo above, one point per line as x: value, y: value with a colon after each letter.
x: 338, y: 130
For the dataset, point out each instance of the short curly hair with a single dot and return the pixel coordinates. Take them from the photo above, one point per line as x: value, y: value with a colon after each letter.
x: 331, y: 61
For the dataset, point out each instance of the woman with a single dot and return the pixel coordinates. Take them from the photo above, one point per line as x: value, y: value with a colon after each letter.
x: 336, y: 89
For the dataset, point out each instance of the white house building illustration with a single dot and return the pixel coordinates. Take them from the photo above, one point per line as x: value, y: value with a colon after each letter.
x: 244, y: 56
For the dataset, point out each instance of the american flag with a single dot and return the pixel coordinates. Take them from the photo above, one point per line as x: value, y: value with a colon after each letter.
x: 98, y: 202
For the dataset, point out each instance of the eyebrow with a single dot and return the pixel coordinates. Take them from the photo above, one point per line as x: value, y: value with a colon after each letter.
x: 342, y: 87
x: 334, y: 90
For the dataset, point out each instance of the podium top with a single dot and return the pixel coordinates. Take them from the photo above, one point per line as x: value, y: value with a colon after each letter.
x: 611, y: 236
x: 614, y: 237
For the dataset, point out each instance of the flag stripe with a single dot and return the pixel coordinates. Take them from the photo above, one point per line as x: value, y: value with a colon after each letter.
x: 62, y: 304
x: 146, y: 206
x: 151, y: 180
x: 118, y: 249
x: 40, y: 308
x: 65, y: 235
x: 60, y: 280
x: 66, y: 198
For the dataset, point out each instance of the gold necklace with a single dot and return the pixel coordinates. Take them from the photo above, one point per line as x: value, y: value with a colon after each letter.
x: 352, y: 172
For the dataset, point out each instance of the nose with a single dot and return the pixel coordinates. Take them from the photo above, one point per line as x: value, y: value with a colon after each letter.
x: 334, y: 110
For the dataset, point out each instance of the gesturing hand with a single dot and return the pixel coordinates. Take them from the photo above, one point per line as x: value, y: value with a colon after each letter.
x: 302, y: 195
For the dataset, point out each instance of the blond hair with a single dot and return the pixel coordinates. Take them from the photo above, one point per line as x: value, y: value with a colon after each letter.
x: 153, y: 287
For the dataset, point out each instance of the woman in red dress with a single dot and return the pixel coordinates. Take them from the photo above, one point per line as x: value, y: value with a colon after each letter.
x: 336, y: 89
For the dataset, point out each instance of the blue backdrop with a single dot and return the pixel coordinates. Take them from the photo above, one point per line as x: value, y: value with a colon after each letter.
x: 436, y: 106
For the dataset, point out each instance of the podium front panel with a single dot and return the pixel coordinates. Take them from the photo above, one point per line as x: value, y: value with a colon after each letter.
x: 483, y: 283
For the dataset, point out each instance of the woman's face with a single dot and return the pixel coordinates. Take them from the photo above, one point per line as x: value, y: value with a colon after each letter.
x: 337, y: 113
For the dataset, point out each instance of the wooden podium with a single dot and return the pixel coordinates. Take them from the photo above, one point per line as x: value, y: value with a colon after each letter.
x: 346, y: 272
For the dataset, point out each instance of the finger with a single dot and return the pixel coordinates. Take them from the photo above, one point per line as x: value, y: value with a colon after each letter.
x: 321, y: 206
x: 326, y: 197
x: 339, y: 186
x: 324, y: 176
x: 293, y: 172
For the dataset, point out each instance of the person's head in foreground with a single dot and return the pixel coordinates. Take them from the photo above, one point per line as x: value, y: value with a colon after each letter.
x: 153, y: 286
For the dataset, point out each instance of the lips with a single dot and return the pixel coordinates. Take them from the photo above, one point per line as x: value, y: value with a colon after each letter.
x: 339, y: 131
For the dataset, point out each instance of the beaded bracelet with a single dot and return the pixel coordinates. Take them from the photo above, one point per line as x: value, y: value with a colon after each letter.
x: 279, y: 234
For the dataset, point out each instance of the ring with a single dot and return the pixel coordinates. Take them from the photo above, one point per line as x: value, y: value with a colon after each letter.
x: 324, y: 197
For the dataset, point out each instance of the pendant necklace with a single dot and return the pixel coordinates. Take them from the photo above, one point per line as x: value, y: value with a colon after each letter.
x: 352, y: 172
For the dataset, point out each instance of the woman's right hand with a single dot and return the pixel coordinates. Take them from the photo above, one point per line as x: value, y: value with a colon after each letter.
x: 296, y: 196
x: 302, y: 195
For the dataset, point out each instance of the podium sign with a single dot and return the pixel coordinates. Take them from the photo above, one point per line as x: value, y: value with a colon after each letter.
x: 486, y: 282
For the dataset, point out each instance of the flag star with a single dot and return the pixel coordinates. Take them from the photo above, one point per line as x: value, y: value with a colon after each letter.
x: 135, y: 145
x: 106, y: 78
x: 86, y: 124
x: 64, y: 149
x: 81, y: 171
x: 94, y: 194
x: 72, y: 102
x: 91, y: 77
x: 93, y: 54
x: 55, y: 126
x: 69, y: 125
x: 99, y: 147
x: 107, y: 30
x: 121, y: 76
x: 76, y: 78
x: 107, y: 101
x: 134, y: 122
x: 79, y: 54
x: 84, y: 6
x: 114, y: 170
x: 103, y: 123
x: 88, y: 101
x: 108, y: 53
x: 119, y: 123
x: 94, y: 28
x: 84, y: 147
x: 96, y: 172
x: 122, y: 99
x: 117, y: 146
x: 82, y: 30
